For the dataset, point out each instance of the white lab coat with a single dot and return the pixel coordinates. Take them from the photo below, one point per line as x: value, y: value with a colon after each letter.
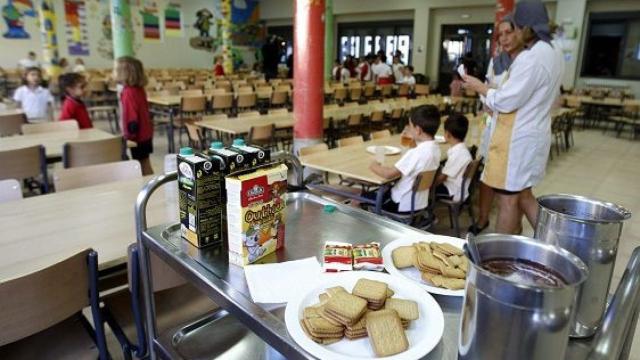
x: 521, y: 139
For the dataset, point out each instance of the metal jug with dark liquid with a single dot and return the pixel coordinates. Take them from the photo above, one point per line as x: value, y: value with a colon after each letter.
x: 591, y: 230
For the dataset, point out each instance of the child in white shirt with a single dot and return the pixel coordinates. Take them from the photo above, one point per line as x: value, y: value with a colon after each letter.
x: 36, y: 101
x: 449, y: 182
x: 423, y: 125
x: 408, y: 77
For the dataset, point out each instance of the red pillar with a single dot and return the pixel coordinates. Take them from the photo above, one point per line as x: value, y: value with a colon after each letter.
x: 503, y: 7
x: 308, y: 72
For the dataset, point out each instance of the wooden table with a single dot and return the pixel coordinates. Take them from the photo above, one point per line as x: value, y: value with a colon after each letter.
x: 36, y: 233
x: 4, y: 112
x: 168, y: 106
x: 53, y: 142
x: 353, y: 162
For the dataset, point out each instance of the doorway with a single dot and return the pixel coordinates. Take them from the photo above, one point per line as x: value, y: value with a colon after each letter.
x: 471, y: 42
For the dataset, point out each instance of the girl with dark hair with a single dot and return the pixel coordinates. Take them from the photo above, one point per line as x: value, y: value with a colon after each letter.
x: 72, y: 89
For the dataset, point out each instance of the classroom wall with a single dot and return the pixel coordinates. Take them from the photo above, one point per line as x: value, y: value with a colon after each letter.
x: 171, y: 52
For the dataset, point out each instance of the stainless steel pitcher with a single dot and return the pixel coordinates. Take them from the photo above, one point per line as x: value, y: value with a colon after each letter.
x: 502, y: 319
x: 591, y: 230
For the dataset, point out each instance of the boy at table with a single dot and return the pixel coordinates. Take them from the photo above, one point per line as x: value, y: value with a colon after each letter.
x: 449, y: 181
x: 423, y: 125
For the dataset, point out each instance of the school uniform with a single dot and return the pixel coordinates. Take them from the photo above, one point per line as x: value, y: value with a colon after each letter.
x: 397, y: 72
x: 363, y: 72
x: 75, y: 109
x: 520, y: 143
x: 424, y: 157
x: 136, y: 121
x: 458, y: 158
x: 345, y: 75
x: 383, y: 73
x: 34, y: 102
x: 409, y: 80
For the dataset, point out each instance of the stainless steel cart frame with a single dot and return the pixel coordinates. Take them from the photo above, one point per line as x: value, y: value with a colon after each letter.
x: 226, y: 285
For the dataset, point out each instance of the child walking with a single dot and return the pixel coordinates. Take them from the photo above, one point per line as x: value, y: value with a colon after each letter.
x: 136, y: 121
x: 36, y: 101
x: 72, y: 88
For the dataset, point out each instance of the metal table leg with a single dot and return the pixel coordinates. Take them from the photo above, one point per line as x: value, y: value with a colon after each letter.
x: 170, y: 140
x: 379, y: 196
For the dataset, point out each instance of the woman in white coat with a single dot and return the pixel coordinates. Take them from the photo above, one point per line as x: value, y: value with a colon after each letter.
x: 520, y: 143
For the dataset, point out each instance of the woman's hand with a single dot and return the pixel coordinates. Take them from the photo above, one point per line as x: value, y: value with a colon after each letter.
x: 475, y: 84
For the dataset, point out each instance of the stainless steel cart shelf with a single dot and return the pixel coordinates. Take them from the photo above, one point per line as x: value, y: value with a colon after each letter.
x: 308, y: 226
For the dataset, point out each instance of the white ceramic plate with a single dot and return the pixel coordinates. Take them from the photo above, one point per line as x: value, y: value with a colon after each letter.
x: 423, y: 334
x: 440, y: 139
x: 412, y: 273
x: 388, y: 150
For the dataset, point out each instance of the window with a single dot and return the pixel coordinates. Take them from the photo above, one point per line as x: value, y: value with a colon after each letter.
x: 612, y: 46
x: 360, y: 39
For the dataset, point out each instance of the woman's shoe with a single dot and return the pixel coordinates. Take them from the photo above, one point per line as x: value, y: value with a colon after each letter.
x: 475, y: 229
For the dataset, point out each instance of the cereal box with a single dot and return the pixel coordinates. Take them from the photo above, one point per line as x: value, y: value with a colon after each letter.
x: 256, y: 212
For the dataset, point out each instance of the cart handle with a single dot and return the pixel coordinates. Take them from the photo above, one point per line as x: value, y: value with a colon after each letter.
x: 143, y: 197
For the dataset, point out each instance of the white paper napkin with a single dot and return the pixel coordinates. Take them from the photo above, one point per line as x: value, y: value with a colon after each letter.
x: 279, y: 282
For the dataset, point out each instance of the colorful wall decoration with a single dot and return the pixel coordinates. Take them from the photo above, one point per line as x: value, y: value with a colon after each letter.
x: 203, y: 24
x: 247, y: 30
x: 150, y: 21
x: 13, y: 14
x: 173, y: 20
x: 49, y: 38
x: 76, y: 27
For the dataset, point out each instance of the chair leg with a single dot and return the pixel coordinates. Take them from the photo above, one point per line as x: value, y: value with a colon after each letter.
x: 450, y: 216
x: 471, y: 215
x: 456, y: 220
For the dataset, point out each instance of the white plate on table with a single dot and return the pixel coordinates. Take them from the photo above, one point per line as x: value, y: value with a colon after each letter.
x: 388, y: 150
x: 412, y: 274
x: 423, y: 334
x: 440, y: 139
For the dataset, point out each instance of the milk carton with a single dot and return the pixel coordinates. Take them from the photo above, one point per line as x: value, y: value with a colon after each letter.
x: 200, y: 202
x: 254, y: 155
x: 256, y: 213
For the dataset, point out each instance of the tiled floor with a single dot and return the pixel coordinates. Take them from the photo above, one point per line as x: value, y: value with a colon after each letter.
x: 599, y: 165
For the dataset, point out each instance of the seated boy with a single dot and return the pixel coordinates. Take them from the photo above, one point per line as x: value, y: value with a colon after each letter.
x: 449, y: 181
x: 423, y: 125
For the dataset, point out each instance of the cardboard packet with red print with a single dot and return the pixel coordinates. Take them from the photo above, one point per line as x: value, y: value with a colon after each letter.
x: 367, y: 257
x: 337, y: 256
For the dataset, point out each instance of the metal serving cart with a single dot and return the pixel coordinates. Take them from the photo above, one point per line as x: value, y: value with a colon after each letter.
x: 308, y: 226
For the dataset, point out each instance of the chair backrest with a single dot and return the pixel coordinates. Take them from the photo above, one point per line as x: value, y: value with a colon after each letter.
x: 38, y: 300
x: 382, y: 134
x: 355, y: 93
x: 421, y: 89
x: 66, y: 125
x: 246, y: 100
x: 313, y: 149
x: 11, y: 124
x: 10, y: 190
x: 424, y: 180
x: 354, y: 140
x: 83, y: 176
x: 248, y: 114
x: 262, y: 132
x: 97, y: 86
x: 23, y: 163
x: 469, y: 176
x: 283, y: 87
x: 403, y: 90
x: 172, y: 89
x: 221, y: 102
x: 214, y: 92
x: 385, y: 90
x: 245, y: 89
x: 279, y: 97
x: 196, y: 103
x: 377, y: 116
x: 191, y: 92
x: 278, y: 111
x: 217, y: 117
x: 340, y: 93
x: 162, y: 275
x: 82, y: 153
x: 369, y: 90
x: 354, y: 119
x: 396, y: 113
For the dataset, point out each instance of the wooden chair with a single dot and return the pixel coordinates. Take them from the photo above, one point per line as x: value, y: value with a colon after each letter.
x: 10, y: 190
x: 222, y: 103
x: 108, y: 112
x: 11, y: 124
x: 385, y: 91
x: 313, y: 149
x: 66, y: 125
x: 177, y: 303
x: 279, y: 98
x: 82, y: 153
x: 216, y: 117
x: 41, y: 312
x: 248, y: 114
x: 469, y: 180
x: 403, y: 90
x: 191, y: 92
x: 369, y: 90
x: 196, y: 136
x: 191, y: 109
x: 246, y: 101
x: 353, y: 124
x: 421, y: 218
x: 262, y: 135
x: 25, y: 163
x: 377, y: 120
x: 355, y: 94
x: 421, y: 89
x: 215, y: 92
x: 382, y: 134
x: 278, y: 111
x: 397, y: 119
x: 339, y: 95
x: 350, y: 141
x: 83, y: 176
x: 97, y: 90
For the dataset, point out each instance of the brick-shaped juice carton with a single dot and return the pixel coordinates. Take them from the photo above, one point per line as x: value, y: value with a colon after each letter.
x: 254, y: 155
x: 256, y: 213
x: 200, y: 198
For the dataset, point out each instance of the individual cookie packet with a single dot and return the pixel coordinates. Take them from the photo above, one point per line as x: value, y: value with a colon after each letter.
x: 367, y: 257
x: 337, y: 256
